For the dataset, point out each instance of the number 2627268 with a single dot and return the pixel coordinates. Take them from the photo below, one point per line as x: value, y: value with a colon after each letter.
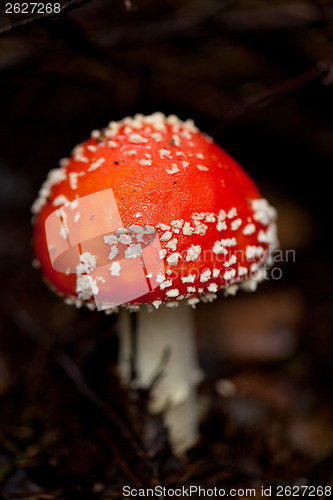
x: 32, y: 8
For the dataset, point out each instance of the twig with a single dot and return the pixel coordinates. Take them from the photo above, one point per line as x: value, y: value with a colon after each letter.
x: 192, y: 15
x: 21, y: 319
x: 320, y: 69
x: 119, y: 459
x: 285, y: 16
x: 71, y: 32
x: 160, y: 369
x: 74, y: 373
x: 74, y: 4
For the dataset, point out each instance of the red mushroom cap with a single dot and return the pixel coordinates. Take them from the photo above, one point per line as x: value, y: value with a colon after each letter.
x: 150, y: 197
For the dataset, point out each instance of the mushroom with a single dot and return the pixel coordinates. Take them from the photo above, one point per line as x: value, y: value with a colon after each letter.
x: 150, y: 215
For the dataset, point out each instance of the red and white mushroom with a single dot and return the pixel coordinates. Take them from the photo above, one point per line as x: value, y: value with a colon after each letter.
x: 152, y: 216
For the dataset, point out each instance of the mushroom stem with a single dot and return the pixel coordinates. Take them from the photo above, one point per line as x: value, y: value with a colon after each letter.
x: 165, y: 360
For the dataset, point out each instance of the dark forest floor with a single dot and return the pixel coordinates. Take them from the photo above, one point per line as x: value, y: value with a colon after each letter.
x: 67, y: 430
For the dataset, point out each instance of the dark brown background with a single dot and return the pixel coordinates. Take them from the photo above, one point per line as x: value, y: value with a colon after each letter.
x: 216, y: 62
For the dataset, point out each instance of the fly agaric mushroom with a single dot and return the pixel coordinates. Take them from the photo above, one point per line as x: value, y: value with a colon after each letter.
x: 151, y: 215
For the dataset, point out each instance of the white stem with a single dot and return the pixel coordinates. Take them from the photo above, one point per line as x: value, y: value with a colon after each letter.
x: 165, y: 346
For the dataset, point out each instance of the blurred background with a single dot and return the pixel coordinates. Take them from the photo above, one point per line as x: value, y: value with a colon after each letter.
x: 257, y: 76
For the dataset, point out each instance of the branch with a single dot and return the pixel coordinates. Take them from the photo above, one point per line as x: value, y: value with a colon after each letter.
x: 71, y: 5
x: 285, y: 16
x: 74, y: 373
x: 321, y: 69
